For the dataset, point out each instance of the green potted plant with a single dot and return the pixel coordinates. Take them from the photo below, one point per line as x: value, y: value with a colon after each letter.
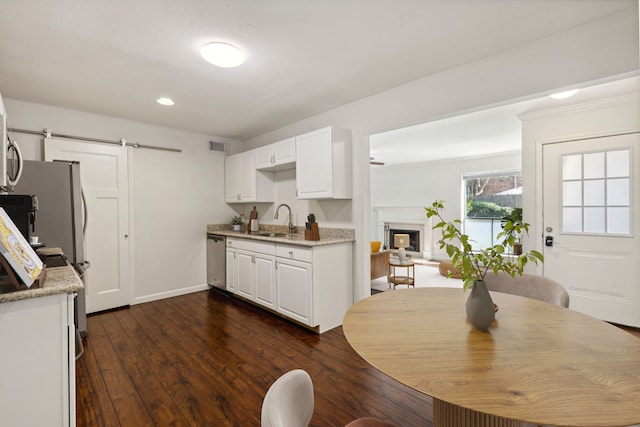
x: 237, y: 221
x: 510, y: 224
x: 474, y: 264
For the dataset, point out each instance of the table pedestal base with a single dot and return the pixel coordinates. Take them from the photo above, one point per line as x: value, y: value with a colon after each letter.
x: 448, y: 415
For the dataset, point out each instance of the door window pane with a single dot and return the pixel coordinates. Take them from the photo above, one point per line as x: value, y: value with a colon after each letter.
x: 618, y: 163
x: 594, y: 220
x: 594, y: 165
x: 594, y: 193
x: 572, y: 167
x: 572, y: 220
x: 618, y: 220
x: 572, y: 193
x: 618, y: 192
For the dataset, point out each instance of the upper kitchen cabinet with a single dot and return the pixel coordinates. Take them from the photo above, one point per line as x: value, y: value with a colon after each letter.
x: 277, y: 156
x: 323, y: 164
x: 243, y: 183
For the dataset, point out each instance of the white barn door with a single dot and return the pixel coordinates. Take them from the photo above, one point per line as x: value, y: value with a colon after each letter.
x: 104, y: 175
x: 591, y: 221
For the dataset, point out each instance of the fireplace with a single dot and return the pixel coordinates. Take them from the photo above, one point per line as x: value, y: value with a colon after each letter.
x: 414, y: 238
x: 404, y: 220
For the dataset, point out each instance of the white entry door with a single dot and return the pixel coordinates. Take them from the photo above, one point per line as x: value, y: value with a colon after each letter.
x: 104, y: 175
x: 591, y: 217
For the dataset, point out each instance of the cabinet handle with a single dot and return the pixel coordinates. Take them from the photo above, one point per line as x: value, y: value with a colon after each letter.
x: 276, y: 265
x: 291, y: 254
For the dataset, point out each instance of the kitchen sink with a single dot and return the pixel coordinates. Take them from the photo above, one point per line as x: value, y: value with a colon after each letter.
x: 267, y: 234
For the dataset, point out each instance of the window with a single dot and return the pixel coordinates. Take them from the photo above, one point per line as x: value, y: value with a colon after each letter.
x: 596, y: 196
x: 488, y: 197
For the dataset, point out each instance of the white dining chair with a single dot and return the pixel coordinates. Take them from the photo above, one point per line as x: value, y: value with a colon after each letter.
x: 289, y: 403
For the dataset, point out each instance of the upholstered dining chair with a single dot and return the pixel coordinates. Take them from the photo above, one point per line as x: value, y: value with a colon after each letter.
x: 530, y: 286
x: 289, y: 403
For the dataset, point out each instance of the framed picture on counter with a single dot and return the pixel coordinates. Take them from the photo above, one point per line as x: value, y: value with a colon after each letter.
x: 18, y: 253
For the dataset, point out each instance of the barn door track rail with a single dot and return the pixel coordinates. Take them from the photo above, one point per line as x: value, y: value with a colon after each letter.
x: 47, y: 133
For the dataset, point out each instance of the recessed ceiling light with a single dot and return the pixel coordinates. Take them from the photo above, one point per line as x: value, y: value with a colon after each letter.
x: 222, y: 54
x: 564, y: 95
x: 165, y: 101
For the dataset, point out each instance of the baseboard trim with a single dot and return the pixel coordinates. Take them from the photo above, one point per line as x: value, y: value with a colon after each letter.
x: 169, y: 294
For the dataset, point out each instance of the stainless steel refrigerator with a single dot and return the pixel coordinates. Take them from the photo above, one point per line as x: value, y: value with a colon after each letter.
x: 61, y: 216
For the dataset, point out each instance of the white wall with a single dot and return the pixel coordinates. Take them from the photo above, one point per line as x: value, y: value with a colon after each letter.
x: 589, y: 53
x: 175, y: 195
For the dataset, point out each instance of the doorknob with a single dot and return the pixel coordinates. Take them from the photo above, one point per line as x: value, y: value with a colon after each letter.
x: 548, y: 241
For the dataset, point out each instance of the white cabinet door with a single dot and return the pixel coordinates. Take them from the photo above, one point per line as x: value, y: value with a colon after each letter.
x: 277, y: 156
x: 294, y: 290
x: 240, y: 179
x: 323, y: 164
x: 232, y: 178
x: 264, y: 157
x: 248, y: 176
x: 284, y: 152
x: 232, y: 271
x: 37, y: 363
x: 265, y: 280
x: 244, y: 264
x: 256, y: 277
x: 314, y: 178
x: 243, y: 183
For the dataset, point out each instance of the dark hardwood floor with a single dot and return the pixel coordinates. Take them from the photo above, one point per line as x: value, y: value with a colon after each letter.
x: 205, y: 359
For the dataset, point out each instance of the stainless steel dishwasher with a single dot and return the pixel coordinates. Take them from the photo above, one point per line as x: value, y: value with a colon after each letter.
x: 216, y: 261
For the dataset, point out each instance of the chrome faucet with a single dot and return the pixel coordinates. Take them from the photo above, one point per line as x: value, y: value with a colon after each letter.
x: 292, y: 228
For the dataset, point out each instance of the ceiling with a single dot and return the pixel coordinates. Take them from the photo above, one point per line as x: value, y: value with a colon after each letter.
x: 481, y: 133
x: 116, y: 57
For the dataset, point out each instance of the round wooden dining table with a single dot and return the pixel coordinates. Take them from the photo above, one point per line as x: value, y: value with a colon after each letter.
x: 538, y: 363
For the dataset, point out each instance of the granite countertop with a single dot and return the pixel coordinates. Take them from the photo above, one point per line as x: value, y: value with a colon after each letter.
x: 328, y: 236
x: 59, y: 280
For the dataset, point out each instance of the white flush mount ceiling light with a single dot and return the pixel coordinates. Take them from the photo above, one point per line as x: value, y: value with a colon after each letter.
x: 222, y: 54
x: 165, y: 101
x: 564, y: 95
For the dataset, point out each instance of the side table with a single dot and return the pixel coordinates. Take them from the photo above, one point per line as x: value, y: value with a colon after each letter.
x: 409, y: 277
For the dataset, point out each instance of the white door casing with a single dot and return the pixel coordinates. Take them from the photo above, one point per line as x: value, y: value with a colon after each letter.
x: 104, y: 175
x: 590, y: 210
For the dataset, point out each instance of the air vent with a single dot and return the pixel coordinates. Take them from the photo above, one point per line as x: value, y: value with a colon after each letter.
x: 218, y: 146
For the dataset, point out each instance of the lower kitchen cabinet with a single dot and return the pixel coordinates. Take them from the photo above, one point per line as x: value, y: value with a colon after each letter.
x: 37, y: 363
x: 264, y: 280
x: 232, y: 268
x: 311, y: 285
x: 251, y: 270
x: 295, y: 290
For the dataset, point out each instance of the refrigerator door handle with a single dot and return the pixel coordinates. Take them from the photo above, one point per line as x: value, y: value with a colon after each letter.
x: 85, y: 213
